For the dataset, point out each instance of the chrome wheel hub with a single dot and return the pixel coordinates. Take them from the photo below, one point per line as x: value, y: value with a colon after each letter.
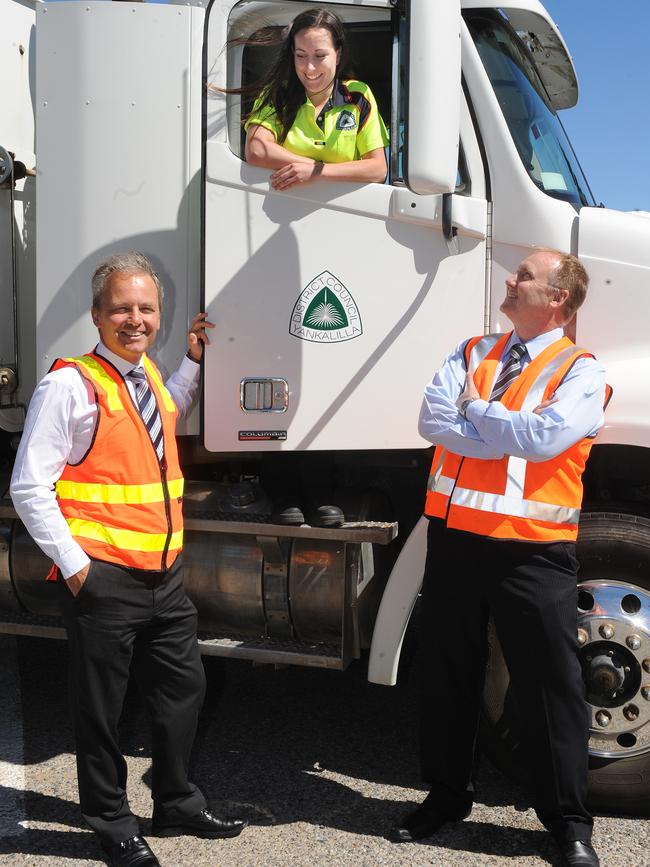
x: 614, y: 639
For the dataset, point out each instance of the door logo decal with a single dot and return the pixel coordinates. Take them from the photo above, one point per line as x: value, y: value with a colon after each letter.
x: 325, y: 312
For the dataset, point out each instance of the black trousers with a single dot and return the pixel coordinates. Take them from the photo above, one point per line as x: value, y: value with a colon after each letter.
x: 530, y: 591
x: 126, y: 620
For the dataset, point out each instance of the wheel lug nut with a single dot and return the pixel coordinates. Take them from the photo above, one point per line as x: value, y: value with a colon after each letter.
x: 606, y: 630
x: 582, y: 637
x: 645, y: 692
x: 646, y: 665
x: 633, y: 642
x: 603, y: 718
x: 631, y: 712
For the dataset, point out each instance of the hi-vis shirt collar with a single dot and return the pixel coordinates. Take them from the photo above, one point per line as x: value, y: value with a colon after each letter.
x: 339, y: 96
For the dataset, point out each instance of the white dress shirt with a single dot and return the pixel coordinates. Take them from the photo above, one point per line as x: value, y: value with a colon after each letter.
x: 491, y: 431
x: 59, y: 428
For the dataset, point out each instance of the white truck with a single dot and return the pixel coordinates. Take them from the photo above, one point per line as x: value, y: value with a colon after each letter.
x: 117, y: 109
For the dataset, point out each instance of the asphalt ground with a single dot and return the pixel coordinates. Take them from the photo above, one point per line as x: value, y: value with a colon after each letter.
x: 321, y: 762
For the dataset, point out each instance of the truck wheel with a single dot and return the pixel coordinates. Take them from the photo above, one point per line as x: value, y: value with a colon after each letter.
x: 614, y: 639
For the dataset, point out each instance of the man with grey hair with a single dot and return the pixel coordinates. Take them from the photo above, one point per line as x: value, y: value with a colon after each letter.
x: 98, y: 485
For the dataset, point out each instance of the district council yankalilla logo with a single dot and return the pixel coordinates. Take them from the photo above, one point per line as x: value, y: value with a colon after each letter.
x: 325, y: 312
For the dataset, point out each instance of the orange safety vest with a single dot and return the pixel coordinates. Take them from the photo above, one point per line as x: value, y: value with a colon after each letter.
x: 512, y: 498
x: 121, y: 503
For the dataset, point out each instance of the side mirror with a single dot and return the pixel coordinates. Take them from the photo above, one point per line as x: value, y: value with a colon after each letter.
x: 433, y: 112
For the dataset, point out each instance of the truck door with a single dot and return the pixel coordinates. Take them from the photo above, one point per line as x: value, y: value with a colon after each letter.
x: 398, y: 295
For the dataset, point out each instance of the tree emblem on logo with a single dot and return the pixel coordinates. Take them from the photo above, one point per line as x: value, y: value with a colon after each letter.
x: 325, y: 312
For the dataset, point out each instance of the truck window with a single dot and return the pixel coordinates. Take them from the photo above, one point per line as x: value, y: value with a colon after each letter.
x: 378, y: 50
x: 370, y: 48
x: 535, y: 127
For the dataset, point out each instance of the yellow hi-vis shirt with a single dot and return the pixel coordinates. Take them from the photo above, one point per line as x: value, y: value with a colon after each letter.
x: 348, y: 127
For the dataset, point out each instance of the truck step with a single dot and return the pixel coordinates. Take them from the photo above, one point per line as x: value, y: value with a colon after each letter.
x: 202, y: 521
x: 376, y: 532
x: 271, y: 651
x: 36, y: 626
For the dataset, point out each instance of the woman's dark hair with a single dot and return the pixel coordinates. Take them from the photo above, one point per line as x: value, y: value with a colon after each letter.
x: 280, y: 87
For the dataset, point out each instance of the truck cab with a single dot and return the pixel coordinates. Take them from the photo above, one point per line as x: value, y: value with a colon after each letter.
x: 334, y: 303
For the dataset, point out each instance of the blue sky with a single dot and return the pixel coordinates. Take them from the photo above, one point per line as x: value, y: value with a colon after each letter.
x: 610, y: 126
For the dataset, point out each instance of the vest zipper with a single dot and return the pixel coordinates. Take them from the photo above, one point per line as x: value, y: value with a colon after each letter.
x: 163, y: 479
x: 460, y: 467
x: 168, y: 513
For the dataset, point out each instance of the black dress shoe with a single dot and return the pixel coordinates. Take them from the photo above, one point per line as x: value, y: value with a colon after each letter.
x: 134, y: 852
x: 576, y: 853
x: 423, y: 822
x: 203, y: 824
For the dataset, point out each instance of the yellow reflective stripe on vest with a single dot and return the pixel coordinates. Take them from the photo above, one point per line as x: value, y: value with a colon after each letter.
x: 170, y: 406
x: 96, y: 373
x: 128, y: 540
x: 514, y: 507
x: 130, y: 495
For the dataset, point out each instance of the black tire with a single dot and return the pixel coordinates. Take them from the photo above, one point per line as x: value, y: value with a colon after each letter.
x: 614, y: 546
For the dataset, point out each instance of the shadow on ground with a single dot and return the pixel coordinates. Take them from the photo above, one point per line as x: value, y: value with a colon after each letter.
x: 278, y: 745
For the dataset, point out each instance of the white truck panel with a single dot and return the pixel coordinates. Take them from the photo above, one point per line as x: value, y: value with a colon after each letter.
x: 143, y: 84
x: 17, y: 74
x: 615, y: 249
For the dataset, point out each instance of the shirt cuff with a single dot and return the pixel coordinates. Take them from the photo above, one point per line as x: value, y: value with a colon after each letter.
x: 189, y: 368
x: 476, y: 409
x: 72, y: 561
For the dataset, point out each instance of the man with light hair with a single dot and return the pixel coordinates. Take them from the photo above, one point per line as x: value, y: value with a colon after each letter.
x: 98, y: 485
x: 513, y: 417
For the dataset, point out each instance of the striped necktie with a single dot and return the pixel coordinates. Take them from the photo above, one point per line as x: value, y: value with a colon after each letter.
x: 509, y: 372
x: 148, y: 408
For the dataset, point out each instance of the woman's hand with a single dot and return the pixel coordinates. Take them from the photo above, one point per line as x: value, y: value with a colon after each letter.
x: 295, y: 172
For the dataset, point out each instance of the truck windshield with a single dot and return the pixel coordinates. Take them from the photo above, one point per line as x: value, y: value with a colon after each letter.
x: 536, y: 129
